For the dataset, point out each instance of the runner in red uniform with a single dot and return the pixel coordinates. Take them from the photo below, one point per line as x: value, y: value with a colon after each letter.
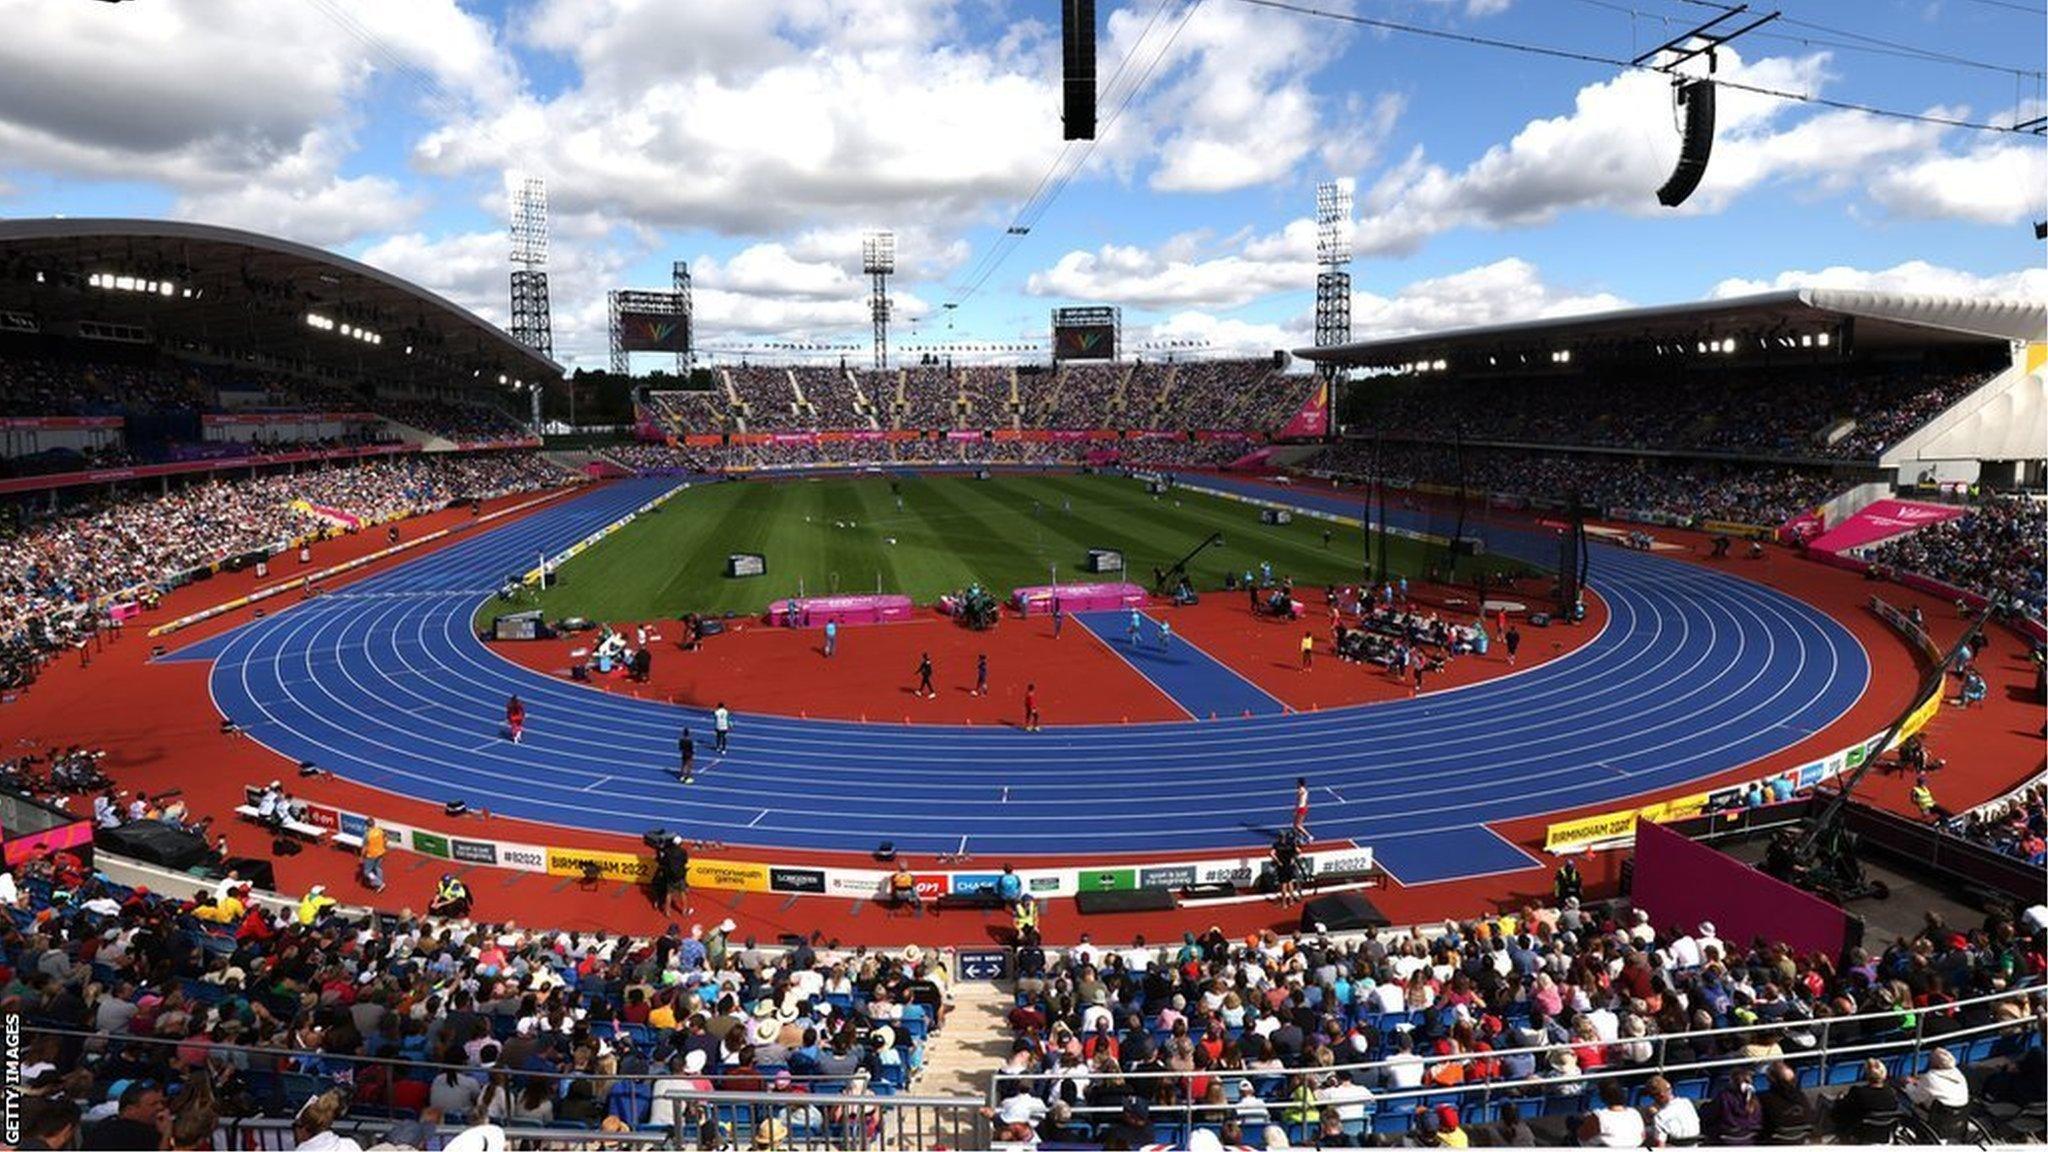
x: 515, y: 718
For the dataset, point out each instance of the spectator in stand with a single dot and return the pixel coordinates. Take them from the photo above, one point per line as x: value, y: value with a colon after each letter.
x: 1999, y: 550
x: 57, y: 566
x: 1786, y: 413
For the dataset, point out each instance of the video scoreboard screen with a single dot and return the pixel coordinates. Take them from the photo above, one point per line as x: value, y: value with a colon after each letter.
x: 654, y: 332
x: 746, y: 564
x: 1084, y: 333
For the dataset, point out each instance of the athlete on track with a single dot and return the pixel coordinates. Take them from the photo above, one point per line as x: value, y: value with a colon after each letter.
x: 515, y: 718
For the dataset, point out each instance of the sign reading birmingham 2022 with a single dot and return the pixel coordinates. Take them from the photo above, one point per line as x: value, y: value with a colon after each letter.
x: 654, y: 332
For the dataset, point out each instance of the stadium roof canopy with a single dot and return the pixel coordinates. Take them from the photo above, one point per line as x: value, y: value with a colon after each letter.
x: 1851, y: 321
x: 246, y: 296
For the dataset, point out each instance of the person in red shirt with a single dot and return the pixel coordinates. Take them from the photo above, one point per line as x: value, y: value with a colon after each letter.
x: 515, y: 718
x: 1031, y: 707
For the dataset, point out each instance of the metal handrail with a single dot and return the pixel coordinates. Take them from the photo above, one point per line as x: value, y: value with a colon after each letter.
x: 295, y: 1054
x: 1536, y: 1087
x: 1825, y: 1025
x: 270, y: 1134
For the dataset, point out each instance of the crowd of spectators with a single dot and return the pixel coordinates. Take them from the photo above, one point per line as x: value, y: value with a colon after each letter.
x: 1996, y: 549
x: 1246, y: 395
x: 412, y: 1018
x: 1303, y: 1034
x: 931, y: 398
x: 55, y: 561
x: 1083, y: 395
x: 814, y: 453
x: 1680, y: 490
x: 1180, y: 453
x: 1145, y: 392
x: 770, y: 402
x: 1234, y: 395
x: 703, y: 413
x: 40, y: 386
x: 2015, y: 825
x: 830, y: 394
x: 986, y: 388
x: 462, y: 423
x: 1785, y: 413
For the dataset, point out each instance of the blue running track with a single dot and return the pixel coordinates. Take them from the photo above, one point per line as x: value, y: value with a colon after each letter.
x: 383, y: 683
x: 1203, y: 686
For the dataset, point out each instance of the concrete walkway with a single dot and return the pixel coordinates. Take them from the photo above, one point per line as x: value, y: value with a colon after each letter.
x: 975, y: 1041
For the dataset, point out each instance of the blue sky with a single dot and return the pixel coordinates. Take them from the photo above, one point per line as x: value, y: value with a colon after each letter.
x: 759, y: 140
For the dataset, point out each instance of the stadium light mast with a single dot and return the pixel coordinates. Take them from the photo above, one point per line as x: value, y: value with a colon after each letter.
x: 878, y: 260
x: 1333, y: 264
x: 531, y: 325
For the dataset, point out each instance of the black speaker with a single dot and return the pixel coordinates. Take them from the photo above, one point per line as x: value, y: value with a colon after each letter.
x: 1077, y: 43
x: 153, y: 842
x: 1694, y: 146
x: 1341, y: 912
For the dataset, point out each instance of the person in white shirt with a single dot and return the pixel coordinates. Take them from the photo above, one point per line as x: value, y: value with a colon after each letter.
x: 1684, y: 952
x: 1018, y: 1115
x: 10, y: 894
x: 1404, y: 1068
x: 1640, y: 932
x: 1673, y: 1118
x: 1614, y: 1124
x: 1348, y: 1099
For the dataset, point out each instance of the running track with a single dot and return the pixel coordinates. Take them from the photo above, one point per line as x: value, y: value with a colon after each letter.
x: 1696, y: 672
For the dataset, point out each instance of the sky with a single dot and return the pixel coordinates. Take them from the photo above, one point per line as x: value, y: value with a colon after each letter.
x: 760, y: 139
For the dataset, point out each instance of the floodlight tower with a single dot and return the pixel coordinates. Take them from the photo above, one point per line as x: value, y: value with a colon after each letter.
x: 878, y: 260
x: 530, y: 322
x: 1333, y: 261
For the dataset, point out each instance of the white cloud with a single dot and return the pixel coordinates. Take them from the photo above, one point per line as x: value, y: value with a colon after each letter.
x: 1498, y: 293
x: 1171, y: 276
x: 1912, y: 277
x: 242, y: 107
x: 1996, y: 182
x: 1229, y: 103
x: 1616, y: 147
x: 472, y: 269
x: 1220, y: 335
x: 757, y: 120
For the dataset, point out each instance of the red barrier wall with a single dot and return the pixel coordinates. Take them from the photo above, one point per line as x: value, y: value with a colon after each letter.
x: 1682, y: 883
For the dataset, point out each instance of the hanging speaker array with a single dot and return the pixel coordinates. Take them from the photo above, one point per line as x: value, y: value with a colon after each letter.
x: 1077, y: 43
x: 1695, y: 144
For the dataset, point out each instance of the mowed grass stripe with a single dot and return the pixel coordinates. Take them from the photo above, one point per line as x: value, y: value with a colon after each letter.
x: 1004, y: 533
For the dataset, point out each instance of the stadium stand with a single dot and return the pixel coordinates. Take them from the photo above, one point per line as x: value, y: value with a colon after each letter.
x: 1832, y: 414
x: 767, y: 399
x: 1087, y: 396
x: 55, y: 562
x: 1553, y: 1012
x: 1683, y: 491
x: 250, y: 1008
x: 830, y: 395
x: 1994, y: 549
x: 931, y: 398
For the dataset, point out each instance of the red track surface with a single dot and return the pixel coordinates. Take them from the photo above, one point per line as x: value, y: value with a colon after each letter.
x: 1080, y: 679
x: 159, y: 726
